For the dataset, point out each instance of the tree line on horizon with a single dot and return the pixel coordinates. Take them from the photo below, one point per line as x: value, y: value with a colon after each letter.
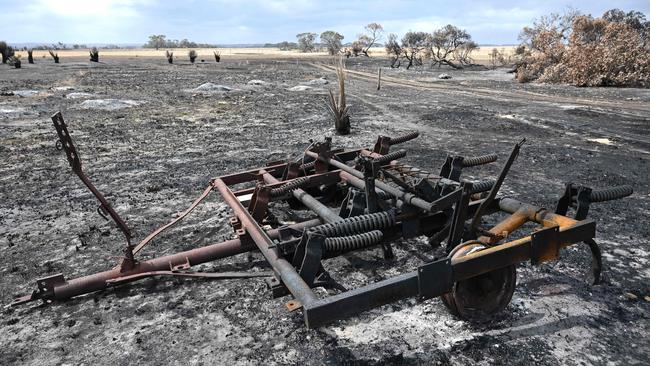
x: 159, y: 41
x: 572, y: 48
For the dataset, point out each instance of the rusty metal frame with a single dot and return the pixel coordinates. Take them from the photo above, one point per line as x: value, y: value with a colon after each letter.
x: 295, y: 252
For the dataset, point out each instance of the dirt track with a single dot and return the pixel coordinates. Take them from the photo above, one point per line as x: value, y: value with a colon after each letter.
x: 155, y: 155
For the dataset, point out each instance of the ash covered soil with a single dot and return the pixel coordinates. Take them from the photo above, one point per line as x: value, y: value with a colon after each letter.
x: 151, y: 135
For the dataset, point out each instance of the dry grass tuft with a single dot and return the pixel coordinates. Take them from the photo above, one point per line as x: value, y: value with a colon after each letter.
x: 338, y: 107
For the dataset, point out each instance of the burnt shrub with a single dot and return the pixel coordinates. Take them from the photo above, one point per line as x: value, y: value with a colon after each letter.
x: 6, y: 51
x: 94, y: 55
x: 192, y: 55
x: 613, y: 50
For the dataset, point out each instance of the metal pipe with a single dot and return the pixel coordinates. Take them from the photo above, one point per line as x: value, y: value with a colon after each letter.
x: 537, y: 214
x: 97, y: 281
x: 395, y: 192
x: 505, y: 227
x: 288, y: 275
x: 308, y: 200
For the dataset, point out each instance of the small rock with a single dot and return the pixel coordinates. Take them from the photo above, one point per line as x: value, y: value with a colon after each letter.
x: 444, y: 76
x: 319, y: 81
x: 211, y: 87
x: 646, y: 298
x: 62, y: 88
x: 631, y: 296
x: 26, y: 93
x: 300, y: 88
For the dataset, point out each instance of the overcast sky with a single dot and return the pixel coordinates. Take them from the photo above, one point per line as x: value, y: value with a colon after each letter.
x: 262, y: 21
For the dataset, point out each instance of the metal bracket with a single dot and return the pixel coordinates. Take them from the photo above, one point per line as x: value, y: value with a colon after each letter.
x: 545, y: 245
x: 583, y: 200
x: 460, y: 215
x: 435, y: 278
x: 44, y: 292
x: 425, y: 189
x: 353, y: 204
x: 369, y: 175
x: 382, y: 146
x: 308, y: 256
x: 259, y: 203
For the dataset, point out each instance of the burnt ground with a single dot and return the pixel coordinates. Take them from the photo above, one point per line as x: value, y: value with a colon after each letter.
x: 155, y: 155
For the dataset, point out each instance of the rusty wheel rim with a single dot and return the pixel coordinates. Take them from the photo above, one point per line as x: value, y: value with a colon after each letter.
x: 483, y: 296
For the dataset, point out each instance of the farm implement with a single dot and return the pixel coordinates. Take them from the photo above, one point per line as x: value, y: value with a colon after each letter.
x: 364, y: 199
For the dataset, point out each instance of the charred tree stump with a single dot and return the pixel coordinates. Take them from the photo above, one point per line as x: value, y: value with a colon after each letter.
x: 55, y: 56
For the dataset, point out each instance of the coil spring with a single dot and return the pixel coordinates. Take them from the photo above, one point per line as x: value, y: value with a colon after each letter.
x: 611, y: 193
x: 482, y: 186
x: 289, y: 186
x: 347, y: 243
x: 307, y: 166
x: 384, y: 159
x: 401, y: 139
x: 357, y: 224
x: 479, y: 160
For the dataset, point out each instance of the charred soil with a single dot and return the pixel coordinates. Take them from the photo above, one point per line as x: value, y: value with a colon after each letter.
x: 151, y: 135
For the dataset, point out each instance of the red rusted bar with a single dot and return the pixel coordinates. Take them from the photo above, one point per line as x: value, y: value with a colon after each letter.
x: 97, y: 281
x: 287, y: 273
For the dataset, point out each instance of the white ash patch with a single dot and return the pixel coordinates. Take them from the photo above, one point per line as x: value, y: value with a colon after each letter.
x: 257, y: 82
x: 210, y: 88
x: 109, y: 104
x: 27, y: 93
x: 299, y: 88
x: 425, y: 322
x: 604, y: 141
x: 79, y: 95
x: 63, y: 88
x: 319, y: 81
x: 10, y: 111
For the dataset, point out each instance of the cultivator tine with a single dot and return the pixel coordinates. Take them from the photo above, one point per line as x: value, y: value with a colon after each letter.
x: 381, y: 200
x: 476, y: 220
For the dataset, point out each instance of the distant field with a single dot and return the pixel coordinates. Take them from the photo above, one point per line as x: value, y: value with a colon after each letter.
x: 480, y: 56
